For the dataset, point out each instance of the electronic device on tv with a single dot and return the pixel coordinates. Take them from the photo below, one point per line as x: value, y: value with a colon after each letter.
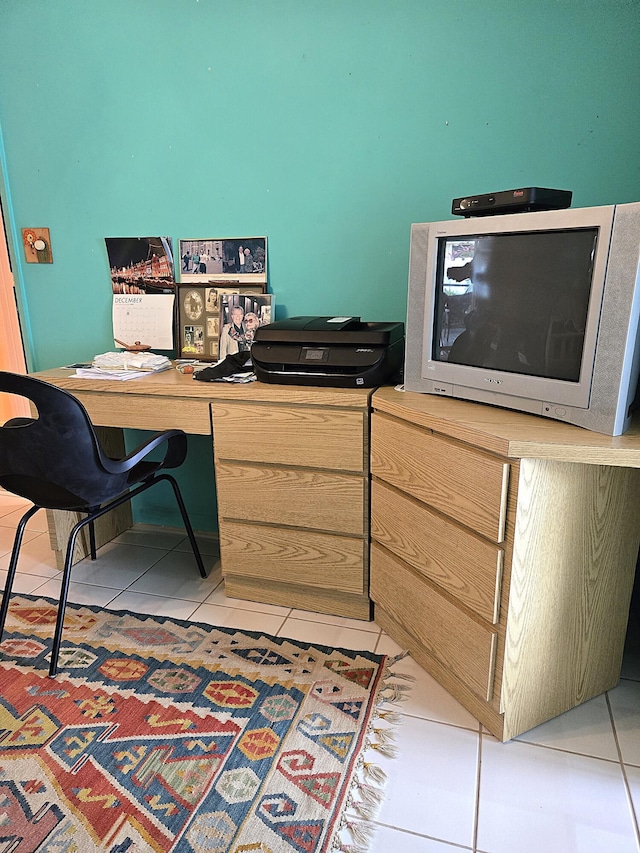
x: 534, y: 311
x: 511, y: 201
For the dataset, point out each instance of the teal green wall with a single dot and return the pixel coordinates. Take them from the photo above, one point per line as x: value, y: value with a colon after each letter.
x: 328, y: 125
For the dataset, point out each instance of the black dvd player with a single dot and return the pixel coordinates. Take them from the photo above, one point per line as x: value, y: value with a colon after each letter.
x: 511, y: 201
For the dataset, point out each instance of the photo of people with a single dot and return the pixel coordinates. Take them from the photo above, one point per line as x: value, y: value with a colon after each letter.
x: 240, y: 316
x: 193, y: 341
x: 240, y: 258
x: 211, y: 300
x: 193, y: 304
x: 213, y: 327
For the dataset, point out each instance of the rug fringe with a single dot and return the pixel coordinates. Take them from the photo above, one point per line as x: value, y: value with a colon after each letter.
x: 370, y: 795
x: 365, y: 795
x: 362, y: 834
x: 389, y: 716
x: 350, y: 848
x: 374, y: 772
x: 393, y: 692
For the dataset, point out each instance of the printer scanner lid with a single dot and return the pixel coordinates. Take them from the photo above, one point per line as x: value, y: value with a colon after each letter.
x: 330, y: 330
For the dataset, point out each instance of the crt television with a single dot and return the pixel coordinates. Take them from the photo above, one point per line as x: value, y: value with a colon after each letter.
x: 531, y: 311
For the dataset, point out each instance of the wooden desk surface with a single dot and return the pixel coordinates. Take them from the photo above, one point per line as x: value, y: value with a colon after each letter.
x: 510, y: 433
x: 170, y: 399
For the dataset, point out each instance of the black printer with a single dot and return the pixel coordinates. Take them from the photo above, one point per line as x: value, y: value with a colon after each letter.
x: 334, y: 351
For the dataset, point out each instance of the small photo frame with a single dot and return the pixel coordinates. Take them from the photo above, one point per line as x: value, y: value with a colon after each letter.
x: 224, y: 259
x: 203, y: 310
x: 240, y: 316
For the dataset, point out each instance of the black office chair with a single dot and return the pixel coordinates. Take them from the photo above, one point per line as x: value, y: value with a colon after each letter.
x: 55, y: 460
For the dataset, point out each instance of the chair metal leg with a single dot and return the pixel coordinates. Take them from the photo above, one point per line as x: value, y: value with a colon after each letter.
x: 64, y: 590
x: 66, y: 575
x: 92, y: 540
x: 187, y: 523
x: 13, y: 563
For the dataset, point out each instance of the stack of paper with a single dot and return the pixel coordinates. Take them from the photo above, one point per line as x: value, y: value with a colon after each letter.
x: 124, y: 365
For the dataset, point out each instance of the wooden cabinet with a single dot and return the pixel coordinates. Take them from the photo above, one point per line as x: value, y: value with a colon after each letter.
x: 503, y: 553
x: 292, y: 480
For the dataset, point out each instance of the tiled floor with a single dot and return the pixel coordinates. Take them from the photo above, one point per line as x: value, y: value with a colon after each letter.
x: 569, y: 786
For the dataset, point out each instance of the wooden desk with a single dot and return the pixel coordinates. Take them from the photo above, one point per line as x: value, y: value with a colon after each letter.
x: 292, y: 479
x: 503, y: 552
x: 503, y: 545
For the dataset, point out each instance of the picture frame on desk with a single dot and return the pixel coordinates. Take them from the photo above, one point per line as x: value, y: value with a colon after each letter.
x: 240, y: 315
x: 198, y: 315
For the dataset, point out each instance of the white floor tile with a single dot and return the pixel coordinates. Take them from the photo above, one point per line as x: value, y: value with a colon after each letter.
x: 176, y: 575
x: 150, y: 537
x: 387, y: 840
x: 35, y: 555
x: 534, y: 799
x: 231, y: 617
x: 431, y: 785
x: 23, y: 583
x: 625, y: 708
x: 328, y: 635
x: 330, y: 619
x: 152, y: 605
x: 387, y: 646
x: 36, y: 524
x: 425, y: 697
x: 7, y: 535
x: 116, y: 566
x: 586, y: 729
x: 168, y: 538
x: 208, y: 545
x: 10, y: 503
x: 633, y: 777
x: 79, y: 593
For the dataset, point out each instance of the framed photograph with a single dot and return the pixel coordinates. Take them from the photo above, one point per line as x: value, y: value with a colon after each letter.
x: 202, y: 312
x: 225, y: 259
x: 240, y: 315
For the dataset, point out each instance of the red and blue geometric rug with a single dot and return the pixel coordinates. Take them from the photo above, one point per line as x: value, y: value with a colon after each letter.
x: 165, y: 735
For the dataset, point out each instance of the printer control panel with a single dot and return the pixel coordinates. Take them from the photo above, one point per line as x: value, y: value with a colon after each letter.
x: 318, y: 355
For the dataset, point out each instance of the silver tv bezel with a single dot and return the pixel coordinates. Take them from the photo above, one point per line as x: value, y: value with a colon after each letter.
x: 562, y: 392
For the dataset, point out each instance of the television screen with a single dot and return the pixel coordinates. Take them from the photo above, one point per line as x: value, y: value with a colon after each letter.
x: 515, y: 302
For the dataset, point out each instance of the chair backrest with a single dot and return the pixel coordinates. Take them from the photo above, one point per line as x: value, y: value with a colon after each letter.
x: 54, y: 458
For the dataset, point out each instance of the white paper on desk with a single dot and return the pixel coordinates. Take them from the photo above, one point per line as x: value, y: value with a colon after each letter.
x: 143, y: 317
x: 119, y: 375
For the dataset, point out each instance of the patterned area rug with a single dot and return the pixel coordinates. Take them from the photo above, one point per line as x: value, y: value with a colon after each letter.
x: 165, y: 735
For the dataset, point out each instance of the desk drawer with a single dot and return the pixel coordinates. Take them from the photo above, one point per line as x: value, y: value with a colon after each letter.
x: 301, y: 435
x: 301, y: 498
x: 447, y: 634
x: 466, y: 484
x: 299, y: 557
x: 466, y: 566
x: 151, y: 413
